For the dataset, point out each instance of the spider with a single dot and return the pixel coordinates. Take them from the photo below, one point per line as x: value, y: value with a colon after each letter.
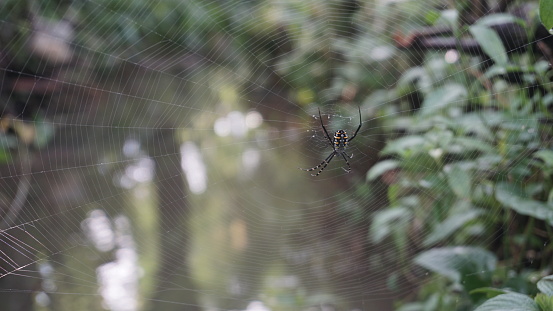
x: 339, y: 144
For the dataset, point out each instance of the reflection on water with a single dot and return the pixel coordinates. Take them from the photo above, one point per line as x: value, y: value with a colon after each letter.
x: 97, y: 228
x: 250, y: 160
x: 236, y: 124
x: 131, y: 148
x: 42, y: 299
x: 193, y: 167
x: 257, y: 306
x: 140, y: 170
x: 48, y: 285
x: 118, y: 279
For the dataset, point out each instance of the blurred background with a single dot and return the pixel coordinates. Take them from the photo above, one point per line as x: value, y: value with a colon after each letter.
x: 149, y: 154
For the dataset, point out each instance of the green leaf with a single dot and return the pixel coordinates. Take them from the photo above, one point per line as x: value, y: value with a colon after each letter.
x: 513, y: 197
x: 381, y: 168
x: 500, y: 19
x: 489, y: 291
x: 546, y: 156
x: 386, y: 221
x: 474, y: 123
x: 412, y: 75
x: 490, y: 43
x: 509, y: 302
x: 471, y: 144
x: 545, y: 285
x: 459, y: 181
x: 544, y: 302
x: 495, y: 70
x: 546, y: 13
x: 402, y: 145
x: 5, y: 156
x: 419, y: 162
x: 442, y: 97
x: 450, y: 226
x: 432, y: 302
x: 394, y: 193
x: 455, y: 262
x: 432, y: 16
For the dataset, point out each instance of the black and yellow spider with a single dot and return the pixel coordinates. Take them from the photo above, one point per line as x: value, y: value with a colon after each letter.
x: 339, y: 144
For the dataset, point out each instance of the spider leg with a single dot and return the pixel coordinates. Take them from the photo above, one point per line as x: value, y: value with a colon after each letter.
x: 346, y: 159
x: 323, y: 164
x: 324, y: 128
x: 359, y: 127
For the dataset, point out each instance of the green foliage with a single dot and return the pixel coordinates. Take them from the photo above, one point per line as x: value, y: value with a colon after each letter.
x: 512, y: 196
x: 456, y: 221
x: 514, y: 301
x: 490, y: 292
x: 382, y: 221
x: 175, y: 25
x: 470, y: 266
x: 544, y: 302
x: 491, y: 43
x: 442, y: 97
x: 381, y: 168
x: 108, y: 32
x: 474, y: 156
x: 545, y: 285
x: 465, y: 152
x: 546, y: 13
x: 459, y: 180
x: 511, y: 301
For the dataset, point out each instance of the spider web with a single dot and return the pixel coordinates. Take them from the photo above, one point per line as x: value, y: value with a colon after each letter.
x: 151, y: 151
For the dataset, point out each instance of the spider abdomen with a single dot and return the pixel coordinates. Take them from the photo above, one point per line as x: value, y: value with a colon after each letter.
x: 340, y: 139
